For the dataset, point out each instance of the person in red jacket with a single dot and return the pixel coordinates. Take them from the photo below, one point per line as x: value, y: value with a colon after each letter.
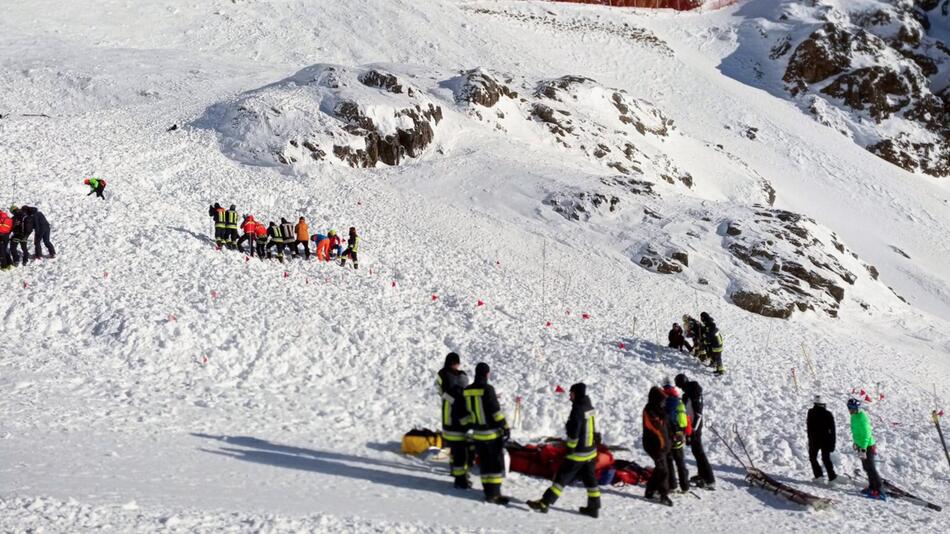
x: 260, y: 236
x: 6, y: 228
x: 249, y: 227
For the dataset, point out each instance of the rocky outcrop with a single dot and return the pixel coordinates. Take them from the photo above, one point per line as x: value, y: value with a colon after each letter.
x: 877, y: 61
x: 581, y: 205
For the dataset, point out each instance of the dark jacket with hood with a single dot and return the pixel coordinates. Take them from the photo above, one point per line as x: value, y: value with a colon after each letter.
x: 821, y: 428
x: 451, y: 384
x: 656, y: 433
x: 581, y: 429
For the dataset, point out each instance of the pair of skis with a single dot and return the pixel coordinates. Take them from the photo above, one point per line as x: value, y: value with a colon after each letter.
x: 756, y: 477
x: 893, y: 491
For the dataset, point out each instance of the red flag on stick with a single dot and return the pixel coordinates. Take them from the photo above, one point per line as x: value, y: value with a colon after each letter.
x: 559, y: 389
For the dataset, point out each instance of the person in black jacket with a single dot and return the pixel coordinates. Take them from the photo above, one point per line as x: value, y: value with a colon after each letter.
x: 821, y: 438
x: 490, y: 431
x: 712, y: 342
x: 693, y: 399
x: 694, y: 330
x: 451, y: 382
x: 581, y: 458
x: 22, y: 228
x: 41, y: 232
x: 656, y: 443
x: 678, y: 340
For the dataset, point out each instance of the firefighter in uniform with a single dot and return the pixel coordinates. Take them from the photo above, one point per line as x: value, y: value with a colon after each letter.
x: 581, y: 458
x: 490, y: 431
x: 712, y: 339
x: 220, y: 224
x: 231, y: 227
x: 451, y: 382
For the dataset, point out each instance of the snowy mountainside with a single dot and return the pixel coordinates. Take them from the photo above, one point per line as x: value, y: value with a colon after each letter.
x: 152, y: 383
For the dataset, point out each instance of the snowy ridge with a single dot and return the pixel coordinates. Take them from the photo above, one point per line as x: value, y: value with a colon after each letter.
x: 152, y: 383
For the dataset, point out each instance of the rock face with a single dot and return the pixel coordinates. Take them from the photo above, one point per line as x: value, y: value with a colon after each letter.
x: 361, y: 117
x: 876, y: 61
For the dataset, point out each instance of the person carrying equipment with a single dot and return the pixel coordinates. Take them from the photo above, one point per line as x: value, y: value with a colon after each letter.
x: 22, y: 228
x: 864, y: 443
x: 450, y: 382
x: 679, y: 431
x: 712, y: 342
x: 303, y: 238
x: 249, y: 227
x: 97, y: 186
x: 6, y: 229
x: 656, y: 443
x: 41, y: 233
x: 693, y: 400
x: 678, y: 340
x: 260, y: 238
x: 352, y: 247
x: 490, y: 431
x: 821, y: 438
x: 581, y: 458
x: 231, y: 227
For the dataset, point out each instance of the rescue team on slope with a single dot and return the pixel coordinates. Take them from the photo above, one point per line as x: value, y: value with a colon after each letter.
x: 707, y: 341
x: 280, y: 236
x: 473, y: 423
x: 15, y: 230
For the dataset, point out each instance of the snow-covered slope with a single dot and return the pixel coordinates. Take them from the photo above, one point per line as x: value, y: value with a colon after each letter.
x: 151, y: 382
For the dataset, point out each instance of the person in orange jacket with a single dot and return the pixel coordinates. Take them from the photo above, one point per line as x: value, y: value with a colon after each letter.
x: 303, y: 238
x: 6, y: 229
x: 249, y: 227
x: 260, y: 237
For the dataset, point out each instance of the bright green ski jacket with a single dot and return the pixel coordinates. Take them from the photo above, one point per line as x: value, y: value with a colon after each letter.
x: 861, y: 430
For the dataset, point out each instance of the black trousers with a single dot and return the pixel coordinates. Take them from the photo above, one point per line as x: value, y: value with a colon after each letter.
x: 261, y: 246
x: 491, y: 457
x: 219, y: 235
x: 813, y: 451
x: 350, y: 253
x: 5, y: 259
x: 705, y: 471
x: 247, y: 237
x: 42, y: 236
x: 460, y: 463
x: 660, y: 479
x: 868, y: 463
x: 676, y: 465
x: 568, y: 473
x: 306, y: 248
x: 19, y: 242
x: 280, y: 248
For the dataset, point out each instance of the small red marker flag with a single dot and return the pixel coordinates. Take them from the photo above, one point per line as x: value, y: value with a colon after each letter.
x: 286, y: 274
x: 214, y: 294
x: 585, y: 316
x: 559, y: 389
x: 25, y: 284
x: 864, y: 393
x: 247, y: 259
x: 171, y: 317
x: 547, y: 324
x: 394, y: 283
x: 621, y: 346
x: 479, y: 303
x: 435, y: 298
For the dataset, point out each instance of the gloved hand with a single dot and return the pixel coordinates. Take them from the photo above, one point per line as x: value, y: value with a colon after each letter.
x: 506, y: 434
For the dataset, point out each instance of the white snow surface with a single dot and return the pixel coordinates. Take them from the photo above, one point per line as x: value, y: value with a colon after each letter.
x: 152, y: 383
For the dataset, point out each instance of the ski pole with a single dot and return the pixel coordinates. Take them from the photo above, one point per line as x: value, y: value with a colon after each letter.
x: 936, y: 418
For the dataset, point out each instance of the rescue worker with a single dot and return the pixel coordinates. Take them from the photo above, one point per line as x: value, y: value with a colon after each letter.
x: 678, y: 340
x: 490, y: 431
x: 679, y: 429
x: 231, y: 227
x: 712, y: 341
x: 820, y: 425
x: 6, y: 229
x: 303, y: 238
x: 276, y: 240
x: 867, y: 450
x: 249, y: 227
x: 352, y: 247
x: 694, y: 330
x: 41, y: 233
x: 260, y: 238
x: 656, y: 443
x: 334, y: 244
x: 97, y: 186
x: 22, y: 228
x: 287, y: 231
x: 693, y: 400
x: 450, y: 382
x: 581, y: 458
x: 220, y: 224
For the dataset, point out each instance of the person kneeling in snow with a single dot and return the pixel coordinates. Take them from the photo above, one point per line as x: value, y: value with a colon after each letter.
x: 97, y: 185
x: 678, y: 340
x: 581, y: 458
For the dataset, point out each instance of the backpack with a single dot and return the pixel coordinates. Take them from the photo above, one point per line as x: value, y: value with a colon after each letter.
x: 419, y: 440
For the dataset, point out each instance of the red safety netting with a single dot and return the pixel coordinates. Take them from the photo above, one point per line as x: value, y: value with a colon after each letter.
x: 679, y: 5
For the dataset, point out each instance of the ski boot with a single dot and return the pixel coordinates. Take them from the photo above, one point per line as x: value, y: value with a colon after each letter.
x: 498, y: 499
x: 538, y: 506
x: 665, y: 500
x: 589, y: 512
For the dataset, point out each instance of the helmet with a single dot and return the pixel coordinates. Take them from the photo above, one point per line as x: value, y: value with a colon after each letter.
x: 233, y: 207
x: 854, y: 404
x: 331, y: 232
x: 704, y: 317
x: 86, y: 181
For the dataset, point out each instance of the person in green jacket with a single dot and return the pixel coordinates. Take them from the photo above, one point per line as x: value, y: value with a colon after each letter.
x: 864, y: 443
x: 97, y: 186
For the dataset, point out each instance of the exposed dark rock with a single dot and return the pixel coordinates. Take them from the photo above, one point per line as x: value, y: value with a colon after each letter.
x: 761, y: 305
x: 381, y: 80
x: 681, y: 257
x: 481, y: 88
x: 879, y: 90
